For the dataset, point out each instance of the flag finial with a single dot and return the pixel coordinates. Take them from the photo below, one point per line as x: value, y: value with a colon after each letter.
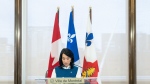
x: 58, y: 8
x: 72, y: 8
x: 90, y: 8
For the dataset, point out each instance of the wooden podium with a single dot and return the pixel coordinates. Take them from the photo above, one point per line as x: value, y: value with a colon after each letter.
x: 89, y: 80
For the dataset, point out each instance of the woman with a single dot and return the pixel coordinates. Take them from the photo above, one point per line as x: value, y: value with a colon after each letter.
x: 66, y: 66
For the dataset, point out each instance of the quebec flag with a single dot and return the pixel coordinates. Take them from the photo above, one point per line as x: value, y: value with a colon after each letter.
x: 71, y: 40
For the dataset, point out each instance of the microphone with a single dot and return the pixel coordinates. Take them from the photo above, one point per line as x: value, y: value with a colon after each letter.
x: 78, y: 66
x: 83, y: 69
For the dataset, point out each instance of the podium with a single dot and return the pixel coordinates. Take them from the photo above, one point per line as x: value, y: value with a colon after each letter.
x: 89, y: 80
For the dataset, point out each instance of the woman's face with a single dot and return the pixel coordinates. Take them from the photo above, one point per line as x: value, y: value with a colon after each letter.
x: 66, y: 60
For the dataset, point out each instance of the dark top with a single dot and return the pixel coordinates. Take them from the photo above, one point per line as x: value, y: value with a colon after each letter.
x: 60, y: 72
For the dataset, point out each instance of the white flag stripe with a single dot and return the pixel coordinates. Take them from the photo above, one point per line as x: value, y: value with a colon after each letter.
x: 89, y: 26
x: 90, y: 52
x: 55, y: 51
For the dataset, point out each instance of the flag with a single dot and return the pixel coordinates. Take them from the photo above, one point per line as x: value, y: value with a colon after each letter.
x: 56, y: 47
x: 71, y: 40
x: 90, y: 62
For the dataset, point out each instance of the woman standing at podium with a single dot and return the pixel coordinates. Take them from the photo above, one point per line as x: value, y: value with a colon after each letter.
x: 66, y: 66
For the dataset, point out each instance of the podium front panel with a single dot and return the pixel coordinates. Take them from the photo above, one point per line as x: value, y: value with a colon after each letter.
x: 66, y: 81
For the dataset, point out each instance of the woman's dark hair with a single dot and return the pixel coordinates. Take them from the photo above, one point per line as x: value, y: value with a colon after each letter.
x: 69, y: 53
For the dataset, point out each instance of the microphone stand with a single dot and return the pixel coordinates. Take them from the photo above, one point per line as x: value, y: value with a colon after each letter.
x: 83, y: 69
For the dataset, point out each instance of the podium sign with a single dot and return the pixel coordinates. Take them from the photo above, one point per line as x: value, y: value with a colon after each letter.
x: 65, y: 81
x: 90, y: 80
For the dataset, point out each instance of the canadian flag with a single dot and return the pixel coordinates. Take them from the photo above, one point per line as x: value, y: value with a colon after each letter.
x: 56, y: 47
x: 90, y: 62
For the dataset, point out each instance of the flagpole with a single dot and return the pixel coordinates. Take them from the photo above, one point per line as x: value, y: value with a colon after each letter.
x: 58, y: 13
x: 72, y: 8
x: 90, y: 11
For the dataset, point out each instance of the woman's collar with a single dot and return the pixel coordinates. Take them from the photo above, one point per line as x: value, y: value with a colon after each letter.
x: 68, y: 67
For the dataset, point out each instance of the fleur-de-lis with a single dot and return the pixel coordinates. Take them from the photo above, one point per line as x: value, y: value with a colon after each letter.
x: 89, y: 37
x: 70, y: 37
